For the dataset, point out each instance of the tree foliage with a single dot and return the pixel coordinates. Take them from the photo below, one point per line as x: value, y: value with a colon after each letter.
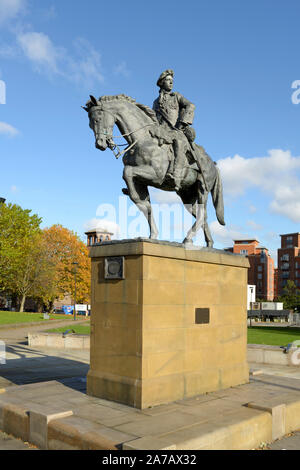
x: 290, y: 296
x: 38, y: 263
x: 19, y: 240
x: 65, y: 248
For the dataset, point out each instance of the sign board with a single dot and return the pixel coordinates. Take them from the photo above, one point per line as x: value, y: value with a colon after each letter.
x: 81, y: 307
x: 68, y: 309
x: 255, y: 306
x: 268, y: 305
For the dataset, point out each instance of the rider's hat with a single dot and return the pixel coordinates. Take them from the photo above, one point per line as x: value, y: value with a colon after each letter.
x: 163, y: 76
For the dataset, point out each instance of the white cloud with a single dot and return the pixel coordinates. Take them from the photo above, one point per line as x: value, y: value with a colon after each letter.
x: 122, y: 69
x: 39, y: 49
x: 8, y: 129
x: 102, y: 225
x: 83, y: 66
x: 252, y: 208
x: 164, y: 197
x: 86, y: 65
x: 13, y: 188
x: 275, y: 174
x: 9, y: 9
x: 225, y: 235
x: 253, y: 225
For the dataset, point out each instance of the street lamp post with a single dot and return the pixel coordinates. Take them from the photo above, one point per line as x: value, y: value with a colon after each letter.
x: 251, y: 305
x: 75, y: 264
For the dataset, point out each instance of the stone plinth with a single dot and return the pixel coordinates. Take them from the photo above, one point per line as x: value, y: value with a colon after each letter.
x: 174, y: 326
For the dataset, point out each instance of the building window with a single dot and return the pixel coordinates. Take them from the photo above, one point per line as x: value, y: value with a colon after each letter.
x: 285, y: 257
x: 244, y: 252
x: 259, y: 276
x: 259, y: 268
x: 285, y: 266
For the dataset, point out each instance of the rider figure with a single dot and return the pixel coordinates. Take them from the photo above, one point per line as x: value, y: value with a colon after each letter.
x: 176, y: 113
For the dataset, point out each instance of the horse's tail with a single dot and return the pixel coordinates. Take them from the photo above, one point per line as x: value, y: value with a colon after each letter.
x: 217, y: 197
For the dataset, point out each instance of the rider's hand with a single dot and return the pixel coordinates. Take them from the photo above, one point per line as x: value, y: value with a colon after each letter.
x: 181, y: 125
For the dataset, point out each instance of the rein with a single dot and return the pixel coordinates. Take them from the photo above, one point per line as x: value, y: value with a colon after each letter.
x: 112, y: 146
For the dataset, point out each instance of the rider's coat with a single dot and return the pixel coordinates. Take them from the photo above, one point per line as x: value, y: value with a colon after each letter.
x: 173, y: 108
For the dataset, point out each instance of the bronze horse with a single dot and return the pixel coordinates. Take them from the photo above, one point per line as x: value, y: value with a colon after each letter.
x: 146, y: 162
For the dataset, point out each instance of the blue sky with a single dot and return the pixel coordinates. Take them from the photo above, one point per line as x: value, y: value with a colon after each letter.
x: 236, y: 61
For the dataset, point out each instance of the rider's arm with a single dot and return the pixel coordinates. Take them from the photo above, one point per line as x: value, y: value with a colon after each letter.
x: 186, y: 110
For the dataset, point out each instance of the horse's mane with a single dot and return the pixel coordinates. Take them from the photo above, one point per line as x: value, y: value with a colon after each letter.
x: 150, y: 113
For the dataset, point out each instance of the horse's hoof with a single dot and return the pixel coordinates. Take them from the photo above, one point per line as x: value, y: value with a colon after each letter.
x: 187, y: 242
x: 125, y: 191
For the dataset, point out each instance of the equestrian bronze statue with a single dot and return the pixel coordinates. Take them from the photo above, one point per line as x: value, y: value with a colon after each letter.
x: 161, y: 152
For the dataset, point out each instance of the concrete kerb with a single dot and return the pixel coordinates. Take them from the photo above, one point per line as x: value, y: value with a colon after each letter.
x: 56, y: 427
x: 59, y: 341
x: 40, y: 425
x: 266, y: 354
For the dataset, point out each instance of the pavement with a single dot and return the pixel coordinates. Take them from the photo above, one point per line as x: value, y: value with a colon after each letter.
x: 51, y: 383
x: 8, y: 442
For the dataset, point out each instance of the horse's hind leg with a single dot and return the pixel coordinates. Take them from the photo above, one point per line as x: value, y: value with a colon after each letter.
x: 195, y: 202
x: 197, y: 211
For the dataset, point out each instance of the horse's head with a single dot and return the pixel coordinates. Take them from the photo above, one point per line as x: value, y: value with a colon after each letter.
x: 101, y: 122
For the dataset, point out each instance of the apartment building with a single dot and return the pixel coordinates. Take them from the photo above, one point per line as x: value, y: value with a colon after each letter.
x: 261, y: 271
x: 289, y: 260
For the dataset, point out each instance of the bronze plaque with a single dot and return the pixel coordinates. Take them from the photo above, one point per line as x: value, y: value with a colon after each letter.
x: 201, y: 316
x: 114, y: 267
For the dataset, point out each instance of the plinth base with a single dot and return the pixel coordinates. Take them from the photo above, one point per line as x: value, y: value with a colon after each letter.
x: 172, y: 326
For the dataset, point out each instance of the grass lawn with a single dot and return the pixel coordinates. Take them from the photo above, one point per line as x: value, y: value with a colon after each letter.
x: 7, y: 318
x: 275, y: 336
x: 79, y: 329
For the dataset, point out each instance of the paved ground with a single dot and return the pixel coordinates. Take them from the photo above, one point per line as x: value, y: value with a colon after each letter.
x: 10, y: 443
x: 291, y: 442
x: 69, y: 368
x: 27, y: 365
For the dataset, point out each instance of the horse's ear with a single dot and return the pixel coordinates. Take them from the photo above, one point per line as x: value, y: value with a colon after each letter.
x: 93, y: 100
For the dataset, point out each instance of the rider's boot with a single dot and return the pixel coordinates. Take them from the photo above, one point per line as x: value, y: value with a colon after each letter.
x: 179, y: 151
x: 177, y: 178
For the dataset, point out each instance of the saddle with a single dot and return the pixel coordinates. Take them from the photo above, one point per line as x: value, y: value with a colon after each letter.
x: 196, y: 156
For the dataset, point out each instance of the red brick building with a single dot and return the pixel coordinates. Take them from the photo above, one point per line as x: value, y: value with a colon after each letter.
x: 289, y: 260
x: 276, y: 283
x: 261, y: 271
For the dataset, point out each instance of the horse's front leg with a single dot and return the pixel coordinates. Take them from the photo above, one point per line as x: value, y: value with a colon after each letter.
x: 139, y: 194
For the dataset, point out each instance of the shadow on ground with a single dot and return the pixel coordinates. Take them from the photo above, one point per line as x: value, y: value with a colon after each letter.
x: 25, y: 365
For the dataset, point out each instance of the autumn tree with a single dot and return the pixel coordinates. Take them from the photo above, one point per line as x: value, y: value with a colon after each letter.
x: 20, y: 251
x: 65, y: 248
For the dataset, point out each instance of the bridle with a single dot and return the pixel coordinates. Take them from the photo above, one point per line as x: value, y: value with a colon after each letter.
x: 112, y: 145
